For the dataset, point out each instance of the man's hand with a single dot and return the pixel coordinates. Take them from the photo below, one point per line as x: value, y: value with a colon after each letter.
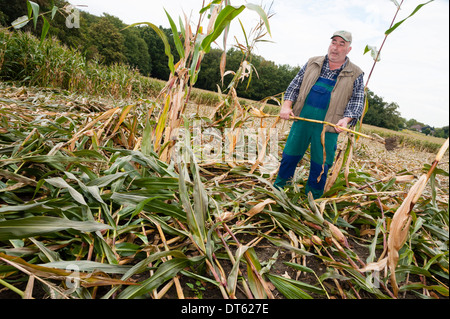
x: 342, y: 123
x: 286, y: 110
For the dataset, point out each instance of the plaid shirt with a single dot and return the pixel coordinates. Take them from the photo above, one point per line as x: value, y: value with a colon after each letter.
x: 355, y: 106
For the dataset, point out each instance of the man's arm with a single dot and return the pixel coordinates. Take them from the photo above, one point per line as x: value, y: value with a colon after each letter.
x: 286, y: 110
x: 343, y: 123
x: 291, y: 94
x: 355, y: 106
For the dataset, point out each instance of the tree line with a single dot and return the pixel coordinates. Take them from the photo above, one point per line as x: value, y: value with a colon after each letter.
x: 106, y: 39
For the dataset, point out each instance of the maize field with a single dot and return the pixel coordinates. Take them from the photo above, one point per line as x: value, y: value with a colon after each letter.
x: 117, y: 196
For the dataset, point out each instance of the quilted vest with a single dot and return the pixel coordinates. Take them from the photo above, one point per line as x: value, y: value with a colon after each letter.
x: 341, y: 94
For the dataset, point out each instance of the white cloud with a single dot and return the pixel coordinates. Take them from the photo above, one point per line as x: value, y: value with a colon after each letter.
x: 413, y: 71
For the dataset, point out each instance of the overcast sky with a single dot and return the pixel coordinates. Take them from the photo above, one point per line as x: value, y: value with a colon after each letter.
x: 414, y: 67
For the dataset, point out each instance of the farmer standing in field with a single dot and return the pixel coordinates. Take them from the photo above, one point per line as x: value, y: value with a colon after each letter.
x: 328, y: 88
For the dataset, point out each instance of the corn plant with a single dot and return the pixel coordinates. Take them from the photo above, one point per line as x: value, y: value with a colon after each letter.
x: 184, y: 73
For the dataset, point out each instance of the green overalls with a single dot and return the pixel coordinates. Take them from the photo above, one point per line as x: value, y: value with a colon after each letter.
x: 303, y: 134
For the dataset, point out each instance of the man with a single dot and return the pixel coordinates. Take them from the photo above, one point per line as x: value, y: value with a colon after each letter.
x: 328, y: 88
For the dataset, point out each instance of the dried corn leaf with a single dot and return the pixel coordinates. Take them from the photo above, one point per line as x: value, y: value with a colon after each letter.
x: 259, y: 207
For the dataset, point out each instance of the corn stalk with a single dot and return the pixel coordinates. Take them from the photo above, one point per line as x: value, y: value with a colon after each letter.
x: 184, y: 73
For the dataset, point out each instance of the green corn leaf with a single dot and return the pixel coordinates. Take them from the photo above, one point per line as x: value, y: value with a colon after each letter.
x: 305, y: 286
x: 143, y: 264
x: 413, y: 270
x: 284, y: 244
x: 45, y: 29
x: 21, y: 208
x: 161, y: 126
x: 223, y: 20
x: 200, y: 278
x: 299, y: 267
x: 438, y: 231
x: 88, y: 266
x: 156, y: 183
x: 106, y: 249
x: 176, y: 36
x: 147, y: 145
x: 54, y: 159
x: 89, y: 154
x: 60, y: 183
x: 233, y: 276
x: 39, y: 225
x: 292, y: 223
x: 182, y: 28
x: 440, y: 289
x: 166, y: 271
x: 244, y: 32
x: 434, y: 260
x: 261, y: 13
x: 200, y: 197
x: 395, y: 26
x: 106, y: 180
x: 51, y: 255
x: 94, y: 191
x: 33, y: 9
x: 195, y: 214
x: 167, y: 229
x: 194, y: 69
x: 254, y: 282
x: 228, y: 14
x: 287, y: 288
x: 363, y: 282
x: 373, y: 245
x: 215, y: 2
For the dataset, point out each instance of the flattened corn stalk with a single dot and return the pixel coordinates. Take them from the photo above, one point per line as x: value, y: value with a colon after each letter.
x: 401, y: 223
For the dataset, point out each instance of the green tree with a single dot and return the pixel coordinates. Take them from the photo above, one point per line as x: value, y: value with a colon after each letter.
x: 136, y: 51
x: 441, y: 132
x: 135, y: 48
x: 427, y: 130
x: 209, y: 77
x: 383, y: 114
x: 410, y: 123
x: 105, y: 42
x: 158, y: 59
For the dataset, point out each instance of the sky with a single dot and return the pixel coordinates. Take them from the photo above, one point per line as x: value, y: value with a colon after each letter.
x: 414, y: 67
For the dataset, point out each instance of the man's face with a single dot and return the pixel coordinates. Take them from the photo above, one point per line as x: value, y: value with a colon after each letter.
x: 338, y: 50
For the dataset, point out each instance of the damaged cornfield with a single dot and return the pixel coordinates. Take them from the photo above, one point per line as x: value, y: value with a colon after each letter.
x: 120, y: 198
